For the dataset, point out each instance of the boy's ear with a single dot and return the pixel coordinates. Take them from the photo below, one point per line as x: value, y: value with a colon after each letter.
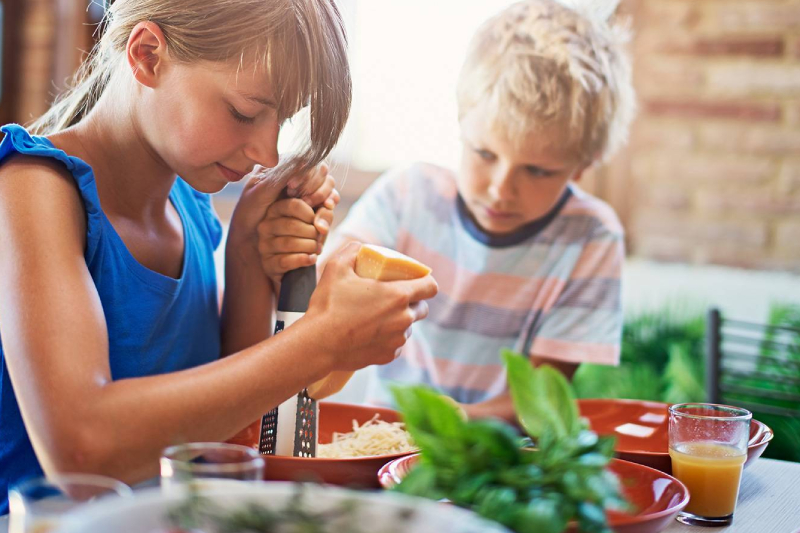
x: 578, y: 174
x: 146, y: 53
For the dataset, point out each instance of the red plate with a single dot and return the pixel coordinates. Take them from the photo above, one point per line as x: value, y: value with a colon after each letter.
x: 656, y: 496
x: 641, y: 429
x: 356, y: 471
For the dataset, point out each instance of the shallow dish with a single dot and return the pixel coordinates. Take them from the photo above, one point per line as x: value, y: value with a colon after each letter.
x: 356, y: 471
x: 642, y: 430
x: 378, y: 512
x: 657, y: 497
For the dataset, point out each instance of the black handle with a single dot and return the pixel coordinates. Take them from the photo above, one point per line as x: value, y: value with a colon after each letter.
x: 297, y: 287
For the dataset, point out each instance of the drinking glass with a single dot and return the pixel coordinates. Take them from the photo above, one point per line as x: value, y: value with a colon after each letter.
x: 203, y: 460
x: 37, y: 505
x: 708, y: 447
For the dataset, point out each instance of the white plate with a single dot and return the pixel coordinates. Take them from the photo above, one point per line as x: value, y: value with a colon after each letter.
x: 377, y: 512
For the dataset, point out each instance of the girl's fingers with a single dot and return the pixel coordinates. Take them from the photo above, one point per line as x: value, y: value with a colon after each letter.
x: 291, y: 207
x: 289, y: 227
x: 305, y: 184
x: 421, y: 289
x: 419, y: 310
x: 285, y: 263
x: 332, y: 200
x: 321, y: 193
x: 288, y: 245
x: 323, y: 220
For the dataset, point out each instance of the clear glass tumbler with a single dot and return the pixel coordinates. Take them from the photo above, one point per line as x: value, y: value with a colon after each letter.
x: 37, y: 505
x: 209, y: 460
x: 708, y: 447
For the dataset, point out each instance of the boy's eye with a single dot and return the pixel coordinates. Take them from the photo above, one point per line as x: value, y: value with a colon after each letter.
x: 486, y: 155
x: 241, y: 118
x: 538, y: 172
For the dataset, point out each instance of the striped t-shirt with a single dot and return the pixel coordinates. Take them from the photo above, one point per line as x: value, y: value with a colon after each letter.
x: 550, y: 289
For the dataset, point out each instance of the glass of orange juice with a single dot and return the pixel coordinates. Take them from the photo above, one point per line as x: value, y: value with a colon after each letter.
x: 708, y: 447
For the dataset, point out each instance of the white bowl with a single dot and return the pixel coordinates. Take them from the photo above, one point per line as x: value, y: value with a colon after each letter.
x: 378, y: 512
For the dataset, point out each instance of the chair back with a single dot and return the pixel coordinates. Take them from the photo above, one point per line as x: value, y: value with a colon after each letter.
x: 755, y: 366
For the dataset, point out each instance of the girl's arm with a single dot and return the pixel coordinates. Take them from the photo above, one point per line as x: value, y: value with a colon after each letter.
x: 56, y: 348
x: 250, y: 295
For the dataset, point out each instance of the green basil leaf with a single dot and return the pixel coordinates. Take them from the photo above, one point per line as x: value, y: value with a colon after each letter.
x: 533, y: 407
x: 560, y: 397
x: 539, y: 516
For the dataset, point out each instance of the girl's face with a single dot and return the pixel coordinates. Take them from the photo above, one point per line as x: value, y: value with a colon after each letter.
x: 211, y: 123
x: 505, y: 186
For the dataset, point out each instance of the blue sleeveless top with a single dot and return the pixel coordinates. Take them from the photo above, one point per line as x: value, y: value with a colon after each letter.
x: 156, y: 324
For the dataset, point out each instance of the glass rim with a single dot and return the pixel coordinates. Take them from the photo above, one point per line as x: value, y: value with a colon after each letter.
x: 73, y: 478
x: 743, y: 414
x: 254, y: 458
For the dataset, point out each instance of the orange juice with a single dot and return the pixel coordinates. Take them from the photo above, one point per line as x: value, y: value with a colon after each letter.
x: 712, y: 473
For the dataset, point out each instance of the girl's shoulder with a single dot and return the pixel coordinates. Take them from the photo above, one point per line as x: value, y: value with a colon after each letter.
x: 36, y: 190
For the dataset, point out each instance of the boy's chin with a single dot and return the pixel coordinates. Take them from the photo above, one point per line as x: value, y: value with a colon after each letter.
x: 497, y: 228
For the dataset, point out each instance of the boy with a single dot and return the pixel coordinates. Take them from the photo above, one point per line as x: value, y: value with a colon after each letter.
x: 524, y: 259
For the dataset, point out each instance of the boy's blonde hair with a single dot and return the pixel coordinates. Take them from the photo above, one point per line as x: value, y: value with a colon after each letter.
x: 301, y: 44
x: 539, y: 64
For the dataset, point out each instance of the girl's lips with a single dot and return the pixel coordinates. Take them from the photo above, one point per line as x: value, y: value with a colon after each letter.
x: 228, y: 174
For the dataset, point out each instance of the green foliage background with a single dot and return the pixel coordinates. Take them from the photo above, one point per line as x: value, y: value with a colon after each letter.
x: 663, y: 359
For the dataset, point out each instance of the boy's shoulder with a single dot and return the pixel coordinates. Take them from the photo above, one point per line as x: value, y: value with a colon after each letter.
x: 423, y: 178
x: 582, y: 205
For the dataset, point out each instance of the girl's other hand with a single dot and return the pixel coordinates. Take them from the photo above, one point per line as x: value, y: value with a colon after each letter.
x: 361, y: 321
x: 315, y: 187
x: 292, y: 234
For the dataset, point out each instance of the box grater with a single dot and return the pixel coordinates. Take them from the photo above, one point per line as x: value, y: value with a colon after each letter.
x: 291, y: 428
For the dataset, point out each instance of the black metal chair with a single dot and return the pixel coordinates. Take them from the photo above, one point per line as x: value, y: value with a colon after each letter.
x: 755, y: 366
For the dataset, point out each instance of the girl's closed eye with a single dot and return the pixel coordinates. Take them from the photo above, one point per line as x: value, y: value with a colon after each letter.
x: 244, y: 119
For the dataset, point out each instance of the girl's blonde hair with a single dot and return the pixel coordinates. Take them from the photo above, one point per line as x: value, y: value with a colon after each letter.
x: 539, y: 64
x: 301, y: 44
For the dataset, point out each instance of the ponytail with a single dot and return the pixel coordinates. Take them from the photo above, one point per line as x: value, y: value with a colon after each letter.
x: 85, y: 89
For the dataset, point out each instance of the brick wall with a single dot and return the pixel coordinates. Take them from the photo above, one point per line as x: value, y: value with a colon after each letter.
x: 54, y: 34
x: 713, y: 170
x: 37, y: 57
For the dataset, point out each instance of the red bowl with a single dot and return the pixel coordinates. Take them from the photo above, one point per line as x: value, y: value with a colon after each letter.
x: 642, y: 430
x: 656, y: 497
x: 356, y: 471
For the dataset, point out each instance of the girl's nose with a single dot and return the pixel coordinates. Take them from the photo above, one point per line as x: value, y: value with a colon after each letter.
x: 263, y: 146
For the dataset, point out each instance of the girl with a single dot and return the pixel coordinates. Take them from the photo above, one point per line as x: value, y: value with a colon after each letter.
x: 111, y: 339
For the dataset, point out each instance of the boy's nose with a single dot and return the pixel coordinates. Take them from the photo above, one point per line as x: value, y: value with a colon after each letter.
x: 502, y: 186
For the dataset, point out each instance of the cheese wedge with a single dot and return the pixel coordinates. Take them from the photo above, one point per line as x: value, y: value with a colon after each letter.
x: 382, y: 264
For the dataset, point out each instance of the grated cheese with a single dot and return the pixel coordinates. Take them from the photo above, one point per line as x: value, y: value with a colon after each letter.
x: 374, y: 437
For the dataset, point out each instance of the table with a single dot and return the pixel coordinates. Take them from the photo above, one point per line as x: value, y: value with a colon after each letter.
x: 769, y: 502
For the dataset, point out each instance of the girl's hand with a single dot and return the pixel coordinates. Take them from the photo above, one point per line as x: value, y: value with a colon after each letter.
x: 313, y: 187
x: 361, y: 321
x: 292, y: 234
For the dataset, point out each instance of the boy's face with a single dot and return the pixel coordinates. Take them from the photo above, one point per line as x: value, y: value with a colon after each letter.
x: 504, y: 186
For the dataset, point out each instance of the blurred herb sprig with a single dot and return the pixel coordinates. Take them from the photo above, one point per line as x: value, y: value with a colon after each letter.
x: 481, y: 464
